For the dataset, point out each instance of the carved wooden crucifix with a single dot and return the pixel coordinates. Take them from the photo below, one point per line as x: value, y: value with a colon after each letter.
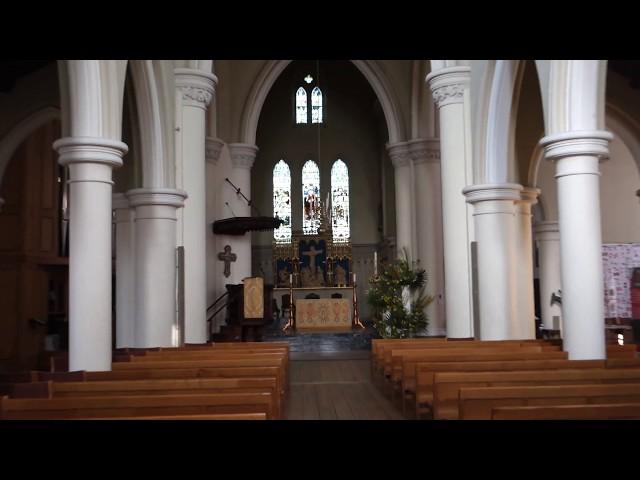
x: 227, y: 257
x: 312, y: 253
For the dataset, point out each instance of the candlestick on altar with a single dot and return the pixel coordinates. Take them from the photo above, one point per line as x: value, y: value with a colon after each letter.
x: 375, y: 264
x: 356, y: 313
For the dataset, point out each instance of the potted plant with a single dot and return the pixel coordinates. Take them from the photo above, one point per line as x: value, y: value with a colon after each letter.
x: 399, y: 300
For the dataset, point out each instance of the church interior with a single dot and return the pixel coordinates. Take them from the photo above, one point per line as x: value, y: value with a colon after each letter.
x: 320, y: 239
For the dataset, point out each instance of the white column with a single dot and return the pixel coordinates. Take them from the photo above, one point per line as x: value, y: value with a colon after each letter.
x: 448, y: 86
x: 125, y: 271
x: 90, y: 161
x: 548, y: 240
x: 578, y: 177
x: 155, y: 264
x: 495, y: 229
x: 242, y: 158
x: 196, y: 89
x: 400, y: 159
x: 525, y: 302
x: 425, y: 155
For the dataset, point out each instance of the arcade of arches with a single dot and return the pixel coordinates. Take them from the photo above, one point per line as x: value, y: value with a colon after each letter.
x: 506, y: 180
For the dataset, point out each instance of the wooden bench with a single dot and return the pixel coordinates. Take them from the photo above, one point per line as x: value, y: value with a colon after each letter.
x: 477, y: 403
x: 407, y: 365
x: 447, y: 385
x: 220, y: 416
x: 135, y: 406
x: 623, y: 411
x: 214, y: 354
x: 230, y: 365
x: 425, y: 374
x: 389, y: 353
x: 395, y: 369
x: 378, y: 355
x: 150, y: 387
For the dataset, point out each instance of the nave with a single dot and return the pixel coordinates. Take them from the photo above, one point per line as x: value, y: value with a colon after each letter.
x: 336, y: 386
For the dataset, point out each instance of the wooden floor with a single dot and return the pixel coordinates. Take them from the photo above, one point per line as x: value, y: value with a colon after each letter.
x: 326, y: 388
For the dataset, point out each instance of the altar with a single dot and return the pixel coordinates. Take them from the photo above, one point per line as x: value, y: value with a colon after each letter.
x: 331, y: 308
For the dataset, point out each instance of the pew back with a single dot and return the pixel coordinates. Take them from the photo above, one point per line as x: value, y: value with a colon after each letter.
x: 477, y: 403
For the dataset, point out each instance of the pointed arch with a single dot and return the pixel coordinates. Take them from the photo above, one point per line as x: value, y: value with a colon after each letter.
x: 310, y: 198
x: 301, y: 105
x: 282, y: 201
x: 340, y: 219
x: 317, y: 114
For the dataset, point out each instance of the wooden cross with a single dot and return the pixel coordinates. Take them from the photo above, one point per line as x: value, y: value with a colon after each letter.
x: 312, y: 253
x: 227, y: 257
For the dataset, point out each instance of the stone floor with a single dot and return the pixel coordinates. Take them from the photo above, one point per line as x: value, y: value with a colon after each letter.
x: 335, y: 386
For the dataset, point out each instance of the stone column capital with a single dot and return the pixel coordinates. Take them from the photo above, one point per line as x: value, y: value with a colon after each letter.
x: 528, y: 197
x: 593, y: 143
x: 243, y: 155
x: 399, y: 154
x: 424, y: 150
x: 169, y: 197
x: 119, y: 201
x: 212, y: 149
x: 448, y: 84
x: 493, y: 192
x: 197, y: 87
x: 547, y: 230
x: 97, y: 150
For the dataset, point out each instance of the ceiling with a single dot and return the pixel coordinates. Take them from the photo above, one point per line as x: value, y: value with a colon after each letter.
x: 12, y: 70
x: 630, y: 69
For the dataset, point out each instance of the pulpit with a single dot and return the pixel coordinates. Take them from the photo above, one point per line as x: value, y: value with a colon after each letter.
x: 249, y: 310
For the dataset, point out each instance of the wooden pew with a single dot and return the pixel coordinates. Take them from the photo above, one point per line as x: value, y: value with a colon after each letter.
x: 381, y: 352
x: 394, y: 370
x: 477, y: 403
x: 214, y: 354
x: 135, y: 406
x: 425, y: 373
x: 447, y: 385
x: 622, y: 351
x: 151, y: 387
x: 389, y: 353
x: 256, y: 361
x: 220, y: 416
x: 623, y: 411
x: 408, y: 364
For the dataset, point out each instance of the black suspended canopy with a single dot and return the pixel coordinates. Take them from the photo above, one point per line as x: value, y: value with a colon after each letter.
x: 241, y: 225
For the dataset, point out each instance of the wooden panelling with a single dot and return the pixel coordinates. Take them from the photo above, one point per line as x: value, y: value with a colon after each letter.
x: 9, y: 309
x: 29, y: 222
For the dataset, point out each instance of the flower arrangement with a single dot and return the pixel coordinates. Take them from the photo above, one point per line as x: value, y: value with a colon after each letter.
x: 399, y: 300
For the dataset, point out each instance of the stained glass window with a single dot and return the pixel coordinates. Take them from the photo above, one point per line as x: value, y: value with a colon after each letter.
x: 301, y: 106
x: 340, y: 201
x: 282, y: 201
x: 316, y: 105
x: 310, y: 198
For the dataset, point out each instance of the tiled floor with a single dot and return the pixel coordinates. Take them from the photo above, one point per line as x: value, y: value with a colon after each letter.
x: 337, y: 386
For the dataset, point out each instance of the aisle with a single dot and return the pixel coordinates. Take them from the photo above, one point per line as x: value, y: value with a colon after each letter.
x: 335, y: 386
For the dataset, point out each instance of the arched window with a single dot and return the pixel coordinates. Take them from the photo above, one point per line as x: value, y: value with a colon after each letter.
x: 340, y: 201
x: 282, y: 201
x: 310, y: 198
x: 316, y: 105
x: 301, y: 106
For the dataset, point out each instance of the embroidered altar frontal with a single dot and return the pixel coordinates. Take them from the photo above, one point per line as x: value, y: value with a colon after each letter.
x: 323, y: 314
